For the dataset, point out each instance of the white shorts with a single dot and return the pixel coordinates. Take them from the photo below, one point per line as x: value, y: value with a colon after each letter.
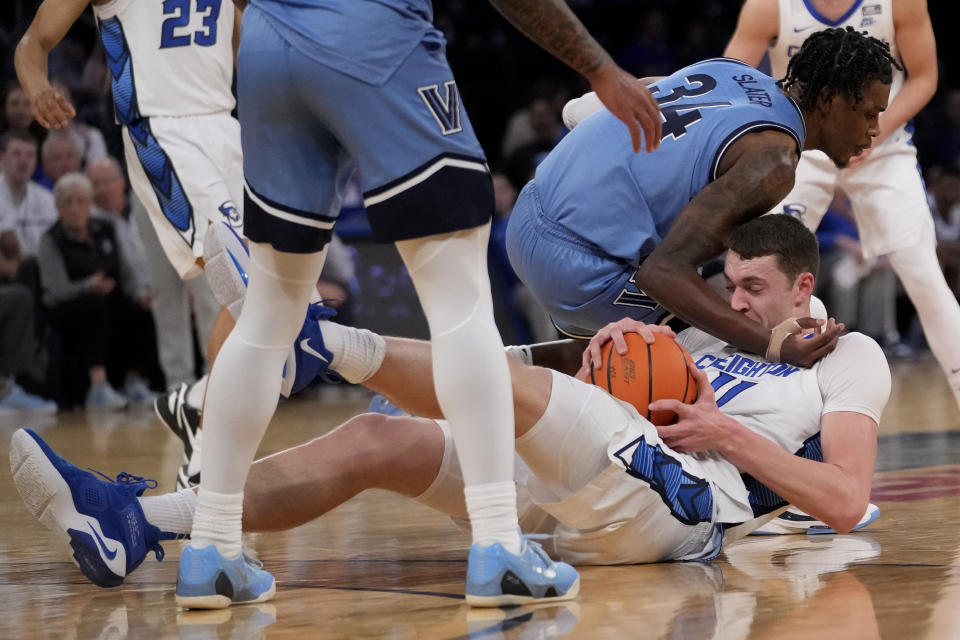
x: 599, y: 479
x: 188, y: 173
x: 886, y: 193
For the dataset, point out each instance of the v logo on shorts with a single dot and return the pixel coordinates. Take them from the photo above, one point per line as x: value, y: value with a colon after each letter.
x: 446, y: 110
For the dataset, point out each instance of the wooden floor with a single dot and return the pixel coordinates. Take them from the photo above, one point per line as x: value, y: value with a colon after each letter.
x: 383, y: 566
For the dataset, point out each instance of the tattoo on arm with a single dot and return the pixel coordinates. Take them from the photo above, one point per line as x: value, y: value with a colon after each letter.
x: 552, y: 25
x: 751, y: 187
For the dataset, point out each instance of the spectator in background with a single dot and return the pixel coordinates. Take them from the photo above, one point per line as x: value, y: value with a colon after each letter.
x: 88, y: 285
x: 650, y: 53
x: 16, y: 351
x: 90, y: 141
x: 111, y: 202
x: 520, y: 128
x: 16, y: 113
x: 861, y: 293
x: 60, y: 154
x: 943, y: 193
x: 547, y: 129
x: 26, y: 208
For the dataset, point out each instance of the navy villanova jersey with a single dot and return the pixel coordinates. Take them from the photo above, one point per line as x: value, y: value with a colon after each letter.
x: 596, y: 187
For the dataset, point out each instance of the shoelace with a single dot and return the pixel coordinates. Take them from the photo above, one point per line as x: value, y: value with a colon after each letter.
x: 537, y: 549
x: 137, y: 482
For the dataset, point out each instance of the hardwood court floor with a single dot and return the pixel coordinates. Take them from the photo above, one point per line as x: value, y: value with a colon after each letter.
x: 382, y: 566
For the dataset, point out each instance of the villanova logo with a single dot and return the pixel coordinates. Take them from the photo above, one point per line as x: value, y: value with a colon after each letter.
x: 446, y: 109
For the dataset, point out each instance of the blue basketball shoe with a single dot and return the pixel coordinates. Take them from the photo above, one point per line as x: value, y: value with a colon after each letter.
x: 207, y: 580
x: 102, y: 520
x: 496, y: 577
x: 309, y: 359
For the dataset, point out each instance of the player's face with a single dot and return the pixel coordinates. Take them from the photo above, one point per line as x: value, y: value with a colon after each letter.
x: 851, y: 127
x: 758, y: 289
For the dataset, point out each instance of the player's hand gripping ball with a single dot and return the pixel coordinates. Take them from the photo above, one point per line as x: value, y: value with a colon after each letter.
x: 646, y: 373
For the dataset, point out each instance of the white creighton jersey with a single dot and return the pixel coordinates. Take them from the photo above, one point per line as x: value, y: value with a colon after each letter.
x: 168, y: 57
x: 785, y: 403
x: 800, y: 18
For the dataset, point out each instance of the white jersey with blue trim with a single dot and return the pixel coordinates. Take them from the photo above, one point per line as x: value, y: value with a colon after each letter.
x: 784, y: 403
x: 800, y: 18
x: 365, y: 39
x: 169, y: 58
x: 594, y: 185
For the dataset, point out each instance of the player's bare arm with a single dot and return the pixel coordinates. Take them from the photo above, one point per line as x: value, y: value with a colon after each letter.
x: 757, y: 172
x: 757, y: 26
x: 552, y: 25
x: 835, y: 491
x: 918, y: 53
x: 54, y: 18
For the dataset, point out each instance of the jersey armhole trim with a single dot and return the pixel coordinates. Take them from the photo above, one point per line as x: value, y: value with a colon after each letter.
x: 744, y: 130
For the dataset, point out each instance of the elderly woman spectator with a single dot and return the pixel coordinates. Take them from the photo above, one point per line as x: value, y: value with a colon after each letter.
x: 89, y: 288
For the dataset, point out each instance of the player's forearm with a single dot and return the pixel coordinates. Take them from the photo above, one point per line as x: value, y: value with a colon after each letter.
x: 820, y: 489
x: 680, y: 289
x: 552, y: 25
x: 30, y: 60
x: 912, y: 97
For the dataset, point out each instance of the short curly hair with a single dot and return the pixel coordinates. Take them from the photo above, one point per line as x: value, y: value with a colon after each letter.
x: 837, y: 61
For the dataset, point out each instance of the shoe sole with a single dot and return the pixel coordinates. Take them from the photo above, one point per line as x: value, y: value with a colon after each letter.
x: 773, y: 528
x: 511, y: 600
x: 222, y: 602
x: 815, y: 531
x: 49, y: 499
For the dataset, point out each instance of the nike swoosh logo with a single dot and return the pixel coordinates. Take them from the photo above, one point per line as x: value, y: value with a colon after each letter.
x: 107, y: 552
x: 809, y: 26
x: 305, y: 345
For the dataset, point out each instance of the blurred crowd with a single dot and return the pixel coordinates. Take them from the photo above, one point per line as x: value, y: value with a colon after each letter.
x: 92, y: 314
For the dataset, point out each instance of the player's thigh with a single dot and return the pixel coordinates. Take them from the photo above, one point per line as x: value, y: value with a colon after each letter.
x: 581, y: 288
x: 294, y: 167
x: 620, y: 494
x: 421, y: 167
x: 889, y: 201
x: 181, y: 186
x: 813, y: 189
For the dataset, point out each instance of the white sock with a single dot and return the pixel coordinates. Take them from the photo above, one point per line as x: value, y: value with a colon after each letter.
x: 195, y: 393
x: 493, y: 514
x: 171, y: 512
x: 218, y: 521
x: 357, y: 353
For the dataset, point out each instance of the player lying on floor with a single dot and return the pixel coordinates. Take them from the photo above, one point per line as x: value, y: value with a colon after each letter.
x: 607, y: 484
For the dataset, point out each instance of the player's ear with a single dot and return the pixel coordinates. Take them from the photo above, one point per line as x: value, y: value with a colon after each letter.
x: 804, y: 285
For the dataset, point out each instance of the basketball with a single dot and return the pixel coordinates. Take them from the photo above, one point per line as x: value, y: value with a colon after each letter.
x: 646, y: 373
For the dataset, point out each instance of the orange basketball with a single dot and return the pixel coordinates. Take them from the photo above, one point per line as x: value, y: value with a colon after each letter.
x: 645, y: 373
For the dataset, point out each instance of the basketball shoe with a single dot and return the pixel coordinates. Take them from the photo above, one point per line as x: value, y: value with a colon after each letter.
x: 308, y: 358
x: 184, y: 421
x: 102, y: 520
x: 795, y: 521
x: 207, y: 580
x: 496, y: 577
